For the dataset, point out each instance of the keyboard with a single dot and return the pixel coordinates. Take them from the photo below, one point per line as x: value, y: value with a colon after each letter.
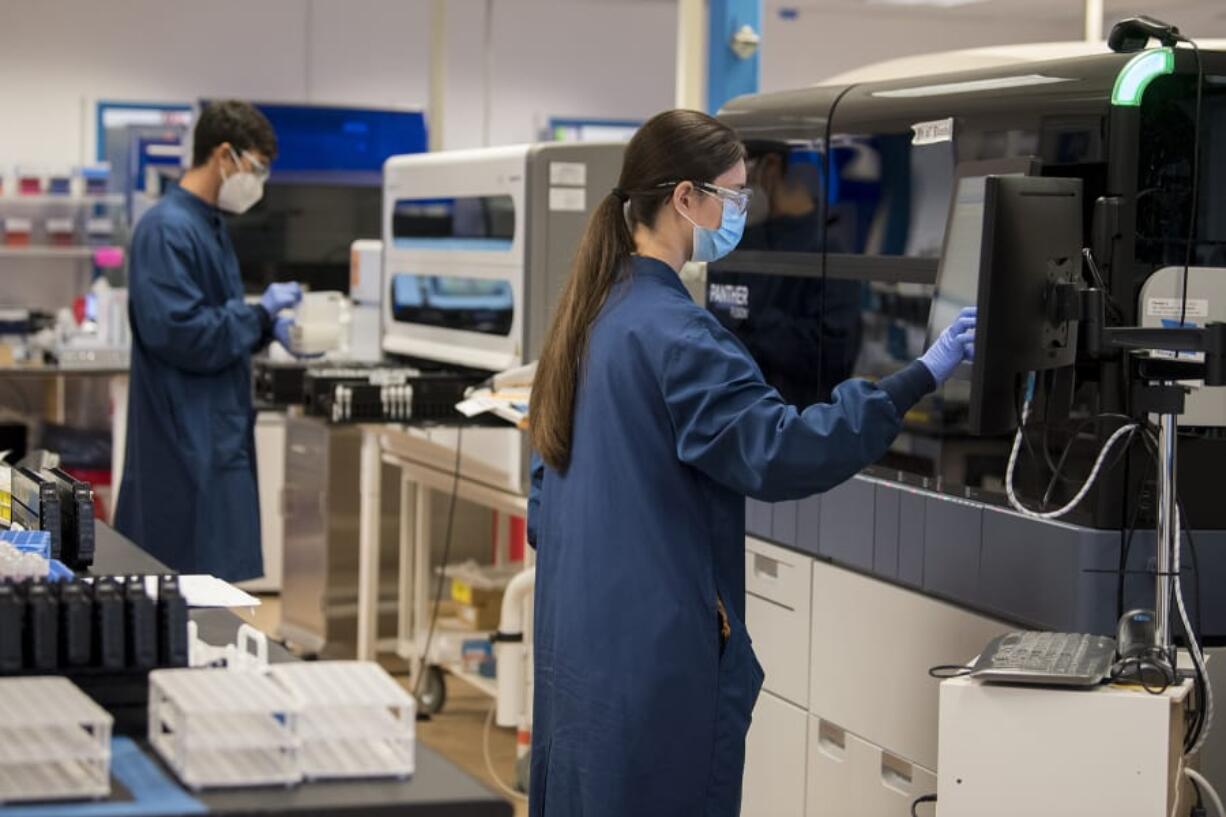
x: 1056, y: 659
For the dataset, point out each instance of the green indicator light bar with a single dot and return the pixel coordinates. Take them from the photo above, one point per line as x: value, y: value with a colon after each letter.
x: 1140, y: 71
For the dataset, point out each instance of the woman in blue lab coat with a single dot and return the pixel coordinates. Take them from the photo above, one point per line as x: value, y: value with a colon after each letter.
x: 654, y: 424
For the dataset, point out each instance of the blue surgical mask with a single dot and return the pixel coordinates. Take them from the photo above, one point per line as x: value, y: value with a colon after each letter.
x: 712, y: 245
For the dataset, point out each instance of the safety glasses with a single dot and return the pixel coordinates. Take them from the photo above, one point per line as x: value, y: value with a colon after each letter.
x: 254, y: 165
x: 738, y: 198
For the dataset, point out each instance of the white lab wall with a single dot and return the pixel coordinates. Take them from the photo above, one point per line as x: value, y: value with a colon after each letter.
x: 822, y: 42
x: 592, y: 59
x: 58, y: 57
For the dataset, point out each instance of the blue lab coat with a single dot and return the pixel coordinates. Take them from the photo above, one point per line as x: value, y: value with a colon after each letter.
x: 189, y: 493
x: 640, y: 706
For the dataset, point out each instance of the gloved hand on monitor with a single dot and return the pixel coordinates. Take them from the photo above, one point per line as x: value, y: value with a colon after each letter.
x: 956, y: 344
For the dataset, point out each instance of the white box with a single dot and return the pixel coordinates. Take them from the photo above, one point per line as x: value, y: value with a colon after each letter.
x: 1017, y: 751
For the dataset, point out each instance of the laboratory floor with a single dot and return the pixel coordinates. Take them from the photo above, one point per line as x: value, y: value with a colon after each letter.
x: 456, y: 732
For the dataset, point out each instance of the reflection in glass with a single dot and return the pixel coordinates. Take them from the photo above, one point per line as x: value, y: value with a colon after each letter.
x: 465, y: 222
x: 450, y: 302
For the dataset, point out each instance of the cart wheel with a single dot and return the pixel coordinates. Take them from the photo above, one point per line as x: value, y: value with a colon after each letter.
x: 434, y: 691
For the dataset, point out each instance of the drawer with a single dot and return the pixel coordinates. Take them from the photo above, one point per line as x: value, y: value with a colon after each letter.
x: 781, y: 641
x: 872, y: 646
x: 775, y: 760
x: 777, y: 574
x: 777, y: 617
x: 850, y: 777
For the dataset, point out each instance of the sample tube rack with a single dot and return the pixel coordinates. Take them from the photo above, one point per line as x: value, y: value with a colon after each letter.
x: 355, y: 721
x: 55, y: 742
x: 223, y: 728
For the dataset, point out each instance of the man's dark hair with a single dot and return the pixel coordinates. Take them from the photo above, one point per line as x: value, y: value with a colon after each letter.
x: 236, y: 122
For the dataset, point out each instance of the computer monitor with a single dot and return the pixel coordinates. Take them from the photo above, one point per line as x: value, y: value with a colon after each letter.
x: 1010, y: 241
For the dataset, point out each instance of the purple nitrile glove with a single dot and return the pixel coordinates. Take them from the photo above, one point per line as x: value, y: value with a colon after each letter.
x: 956, y: 344
x: 280, y: 296
x: 281, y: 331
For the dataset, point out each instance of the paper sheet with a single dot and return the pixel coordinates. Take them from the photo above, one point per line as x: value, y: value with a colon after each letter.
x: 207, y: 591
x: 203, y: 591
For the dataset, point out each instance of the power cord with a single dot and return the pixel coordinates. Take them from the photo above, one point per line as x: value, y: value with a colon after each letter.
x: 1204, y: 787
x: 1120, y: 433
x: 943, y: 672
x: 1195, y: 204
x: 1198, y: 658
x: 438, y: 589
x: 1151, y: 671
x: 927, y: 798
x: 489, y: 762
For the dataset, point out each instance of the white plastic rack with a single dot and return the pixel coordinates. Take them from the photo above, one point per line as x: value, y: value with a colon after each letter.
x: 355, y: 721
x: 223, y: 728
x: 55, y: 742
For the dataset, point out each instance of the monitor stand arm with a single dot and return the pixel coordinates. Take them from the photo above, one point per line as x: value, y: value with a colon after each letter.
x: 1158, y: 392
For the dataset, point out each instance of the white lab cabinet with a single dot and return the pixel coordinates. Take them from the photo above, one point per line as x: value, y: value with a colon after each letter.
x: 775, y: 760
x: 850, y: 777
x: 777, y: 583
x: 846, y: 725
x: 873, y: 644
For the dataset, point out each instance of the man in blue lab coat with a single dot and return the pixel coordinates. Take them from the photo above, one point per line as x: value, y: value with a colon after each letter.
x: 189, y: 494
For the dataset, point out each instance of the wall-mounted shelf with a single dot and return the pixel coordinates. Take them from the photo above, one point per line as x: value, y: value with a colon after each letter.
x: 83, y: 253
x: 44, y: 199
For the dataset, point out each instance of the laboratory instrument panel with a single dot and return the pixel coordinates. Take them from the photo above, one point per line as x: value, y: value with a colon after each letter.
x: 856, y: 197
x: 367, y: 393
x: 477, y: 245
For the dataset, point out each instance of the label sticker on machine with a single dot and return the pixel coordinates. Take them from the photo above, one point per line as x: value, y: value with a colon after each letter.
x: 932, y: 133
x: 571, y: 174
x: 379, y: 378
x: 1173, y: 307
x: 568, y: 199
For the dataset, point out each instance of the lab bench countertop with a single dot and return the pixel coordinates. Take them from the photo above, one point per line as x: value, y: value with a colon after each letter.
x: 437, y: 788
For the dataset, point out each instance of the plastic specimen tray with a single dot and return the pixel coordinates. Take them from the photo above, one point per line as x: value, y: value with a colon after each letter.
x: 223, y: 728
x: 55, y: 742
x: 355, y: 721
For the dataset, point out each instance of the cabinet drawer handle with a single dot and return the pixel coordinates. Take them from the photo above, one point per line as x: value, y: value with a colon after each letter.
x: 831, y: 741
x: 765, y: 567
x: 896, y: 773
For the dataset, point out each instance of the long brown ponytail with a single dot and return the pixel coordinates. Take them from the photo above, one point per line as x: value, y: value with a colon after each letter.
x: 672, y: 146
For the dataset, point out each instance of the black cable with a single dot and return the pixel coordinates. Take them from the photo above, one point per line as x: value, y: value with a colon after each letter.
x: 1141, y: 670
x: 438, y: 589
x: 1192, y: 210
x: 1126, y: 549
x: 943, y: 672
x: 927, y: 798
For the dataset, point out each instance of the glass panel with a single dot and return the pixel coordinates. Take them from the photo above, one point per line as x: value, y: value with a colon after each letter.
x: 451, y: 302
x: 468, y: 222
x: 1164, y: 182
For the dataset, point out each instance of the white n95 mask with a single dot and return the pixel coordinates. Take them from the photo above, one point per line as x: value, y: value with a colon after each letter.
x: 240, y: 190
